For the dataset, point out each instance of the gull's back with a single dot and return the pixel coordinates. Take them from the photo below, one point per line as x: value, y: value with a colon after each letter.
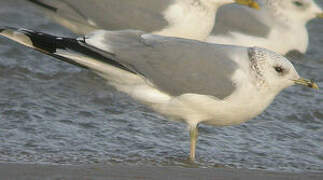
x: 83, y: 16
x: 233, y: 18
x: 192, y: 66
x: 279, y: 26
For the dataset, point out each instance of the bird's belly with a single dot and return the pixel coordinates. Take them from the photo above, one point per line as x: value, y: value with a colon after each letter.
x: 228, y: 120
x: 194, y: 109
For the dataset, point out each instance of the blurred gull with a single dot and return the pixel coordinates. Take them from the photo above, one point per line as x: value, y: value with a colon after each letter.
x: 193, y: 19
x: 183, y: 79
x: 279, y: 25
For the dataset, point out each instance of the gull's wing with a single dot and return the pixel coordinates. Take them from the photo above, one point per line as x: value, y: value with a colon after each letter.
x: 83, y: 16
x: 173, y: 65
x: 233, y: 18
x: 192, y: 66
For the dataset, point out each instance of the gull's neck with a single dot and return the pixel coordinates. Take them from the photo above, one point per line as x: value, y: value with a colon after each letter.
x: 192, y: 19
x: 273, y: 7
x: 288, y: 30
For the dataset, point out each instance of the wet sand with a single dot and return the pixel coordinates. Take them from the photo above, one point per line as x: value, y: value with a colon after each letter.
x: 108, y: 172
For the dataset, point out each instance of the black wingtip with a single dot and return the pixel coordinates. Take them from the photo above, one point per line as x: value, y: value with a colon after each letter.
x: 42, y: 4
x: 6, y: 31
x: 49, y: 44
x: 30, y: 38
x: 3, y: 28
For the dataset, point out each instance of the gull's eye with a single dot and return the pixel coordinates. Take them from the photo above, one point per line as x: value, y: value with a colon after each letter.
x: 279, y: 69
x: 298, y: 4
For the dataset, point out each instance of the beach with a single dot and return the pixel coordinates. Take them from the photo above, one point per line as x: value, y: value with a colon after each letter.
x: 69, y: 172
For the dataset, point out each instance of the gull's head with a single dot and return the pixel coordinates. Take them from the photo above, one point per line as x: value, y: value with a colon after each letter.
x: 300, y: 10
x: 273, y: 71
x: 249, y: 3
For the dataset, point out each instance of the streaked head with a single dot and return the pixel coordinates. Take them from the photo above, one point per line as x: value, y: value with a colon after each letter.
x: 273, y: 71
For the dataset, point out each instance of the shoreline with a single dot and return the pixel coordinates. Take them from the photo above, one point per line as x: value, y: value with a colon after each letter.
x: 115, y: 172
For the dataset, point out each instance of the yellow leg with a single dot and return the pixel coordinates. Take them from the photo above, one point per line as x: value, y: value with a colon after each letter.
x: 193, y: 136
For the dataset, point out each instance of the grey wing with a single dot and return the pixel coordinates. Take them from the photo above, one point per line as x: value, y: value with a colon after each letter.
x: 176, y: 66
x: 83, y: 16
x: 173, y: 65
x: 235, y: 18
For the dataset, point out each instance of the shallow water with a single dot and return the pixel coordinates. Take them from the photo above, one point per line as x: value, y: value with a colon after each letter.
x: 53, y: 112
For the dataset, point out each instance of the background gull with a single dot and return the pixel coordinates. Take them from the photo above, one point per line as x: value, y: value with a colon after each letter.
x: 186, y: 80
x: 193, y: 19
x: 280, y: 25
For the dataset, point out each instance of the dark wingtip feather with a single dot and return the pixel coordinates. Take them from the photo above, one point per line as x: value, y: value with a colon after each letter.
x: 3, y: 28
x: 50, y: 44
x: 42, y: 4
x: 33, y: 39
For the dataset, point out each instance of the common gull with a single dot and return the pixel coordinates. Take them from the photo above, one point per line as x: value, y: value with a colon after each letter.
x: 279, y: 25
x: 186, y: 80
x: 193, y: 19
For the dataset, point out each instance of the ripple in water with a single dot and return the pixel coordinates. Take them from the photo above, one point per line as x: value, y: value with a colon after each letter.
x: 52, y: 112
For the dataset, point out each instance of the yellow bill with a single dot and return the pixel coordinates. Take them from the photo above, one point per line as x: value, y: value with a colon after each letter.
x: 319, y: 15
x: 306, y: 82
x: 250, y: 3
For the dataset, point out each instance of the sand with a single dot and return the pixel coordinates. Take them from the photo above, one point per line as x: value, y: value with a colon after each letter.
x: 10, y: 171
